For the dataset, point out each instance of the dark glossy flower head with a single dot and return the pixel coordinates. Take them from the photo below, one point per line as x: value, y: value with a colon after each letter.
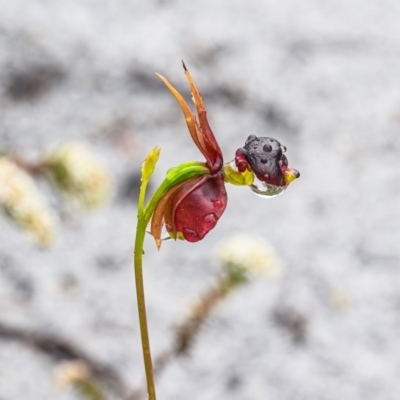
x: 265, y: 157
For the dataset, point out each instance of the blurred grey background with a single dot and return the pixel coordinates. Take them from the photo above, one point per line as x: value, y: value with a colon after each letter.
x: 321, y: 77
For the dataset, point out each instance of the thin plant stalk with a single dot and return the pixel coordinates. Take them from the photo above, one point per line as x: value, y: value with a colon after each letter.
x: 138, y: 253
x: 174, y: 177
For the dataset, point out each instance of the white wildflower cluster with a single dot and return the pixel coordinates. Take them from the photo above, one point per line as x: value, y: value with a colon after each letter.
x: 248, y: 255
x: 20, y: 200
x: 71, y: 372
x: 78, y: 174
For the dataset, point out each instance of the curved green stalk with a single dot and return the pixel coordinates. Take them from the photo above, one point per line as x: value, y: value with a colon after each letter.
x: 147, y: 170
x: 174, y: 176
x: 139, y: 240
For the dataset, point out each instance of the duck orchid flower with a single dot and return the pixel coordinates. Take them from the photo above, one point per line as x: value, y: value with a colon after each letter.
x: 193, y: 197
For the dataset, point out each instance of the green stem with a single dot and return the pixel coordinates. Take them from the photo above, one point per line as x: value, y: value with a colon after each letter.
x: 139, y: 240
x: 174, y: 177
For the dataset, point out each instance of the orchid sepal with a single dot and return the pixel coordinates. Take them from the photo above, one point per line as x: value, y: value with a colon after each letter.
x: 199, y: 128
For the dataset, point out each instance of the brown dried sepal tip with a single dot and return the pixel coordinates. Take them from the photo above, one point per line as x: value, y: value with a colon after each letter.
x: 200, y: 130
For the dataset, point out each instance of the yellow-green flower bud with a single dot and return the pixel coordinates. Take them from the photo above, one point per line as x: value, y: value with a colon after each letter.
x: 150, y: 162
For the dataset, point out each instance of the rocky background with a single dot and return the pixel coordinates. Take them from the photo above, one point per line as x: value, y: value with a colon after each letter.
x: 321, y: 77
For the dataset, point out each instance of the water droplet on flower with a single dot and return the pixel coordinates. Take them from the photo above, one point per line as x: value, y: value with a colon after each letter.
x: 266, y: 190
x: 264, y: 160
x: 190, y: 235
x: 283, y: 148
x: 209, y: 221
x: 212, y: 200
x: 283, y: 162
x: 251, y: 138
x: 267, y: 148
x: 218, y: 204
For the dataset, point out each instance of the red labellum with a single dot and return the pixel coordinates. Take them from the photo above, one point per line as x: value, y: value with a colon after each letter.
x: 192, y: 209
x: 195, y: 209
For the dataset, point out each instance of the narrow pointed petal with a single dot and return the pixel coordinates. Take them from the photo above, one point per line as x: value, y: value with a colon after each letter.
x: 212, y: 147
x: 191, y: 122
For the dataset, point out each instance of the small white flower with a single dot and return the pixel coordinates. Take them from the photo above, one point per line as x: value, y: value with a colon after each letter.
x: 78, y: 174
x: 20, y: 201
x: 249, y: 255
x: 71, y: 372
